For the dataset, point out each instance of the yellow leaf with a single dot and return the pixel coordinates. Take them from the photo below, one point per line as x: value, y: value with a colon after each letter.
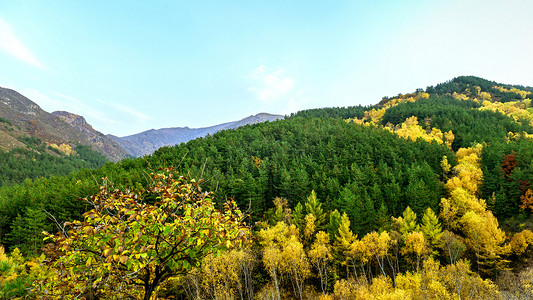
x: 123, y: 259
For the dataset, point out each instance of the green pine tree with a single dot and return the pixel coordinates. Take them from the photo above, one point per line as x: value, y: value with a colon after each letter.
x: 314, y: 206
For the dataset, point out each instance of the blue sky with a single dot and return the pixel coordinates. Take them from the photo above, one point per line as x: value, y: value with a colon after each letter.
x: 129, y: 66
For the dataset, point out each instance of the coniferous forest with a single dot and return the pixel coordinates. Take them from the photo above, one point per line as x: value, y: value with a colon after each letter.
x: 423, y: 196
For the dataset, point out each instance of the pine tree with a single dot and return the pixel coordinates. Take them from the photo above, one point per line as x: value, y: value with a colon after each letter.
x: 298, y: 216
x: 408, y: 223
x: 345, y: 235
x: 27, y: 231
x: 343, y: 242
x: 364, y: 214
x: 334, y: 223
x: 314, y: 206
x: 431, y: 228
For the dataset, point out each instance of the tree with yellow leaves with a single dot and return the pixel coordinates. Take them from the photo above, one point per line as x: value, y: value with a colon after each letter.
x: 126, y: 247
x: 18, y: 273
x: 415, y: 248
x: 309, y: 229
x: 320, y: 257
x: 486, y: 239
x: 446, y: 167
x: 272, y: 240
x: 462, y: 211
x: 449, y: 137
x: 283, y: 254
x: 521, y: 242
x: 410, y: 129
x: 527, y: 200
x: 295, y: 264
x: 378, y: 244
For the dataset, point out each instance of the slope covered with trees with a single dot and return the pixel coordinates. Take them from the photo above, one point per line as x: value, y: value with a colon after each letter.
x: 37, y: 160
x: 425, y: 195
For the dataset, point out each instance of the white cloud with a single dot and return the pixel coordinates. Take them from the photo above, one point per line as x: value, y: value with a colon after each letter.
x: 270, y: 86
x: 10, y: 44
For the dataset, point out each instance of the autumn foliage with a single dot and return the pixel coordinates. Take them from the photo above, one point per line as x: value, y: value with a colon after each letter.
x: 130, y: 244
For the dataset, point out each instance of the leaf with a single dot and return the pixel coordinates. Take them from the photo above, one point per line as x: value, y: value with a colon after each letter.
x: 107, y: 252
x: 123, y: 259
x: 89, y: 261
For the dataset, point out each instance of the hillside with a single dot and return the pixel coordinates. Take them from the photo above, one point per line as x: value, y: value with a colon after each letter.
x: 423, y: 195
x: 148, y: 141
x: 101, y: 142
x: 22, y: 117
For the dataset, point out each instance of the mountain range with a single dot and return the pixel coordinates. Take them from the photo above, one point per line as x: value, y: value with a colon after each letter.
x: 20, y: 117
x: 148, y: 141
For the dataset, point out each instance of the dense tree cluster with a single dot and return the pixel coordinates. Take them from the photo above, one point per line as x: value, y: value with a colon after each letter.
x: 39, y: 160
x: 467, y: 84
x: 468, y: 124
x: 337, y: 112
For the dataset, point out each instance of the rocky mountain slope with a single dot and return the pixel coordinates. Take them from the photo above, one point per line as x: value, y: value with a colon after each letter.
x: 19, y: 117
x: 148, y: 141
x: 103, y: 143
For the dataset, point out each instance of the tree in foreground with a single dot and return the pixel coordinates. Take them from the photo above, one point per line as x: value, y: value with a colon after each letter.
x: 129, y: 244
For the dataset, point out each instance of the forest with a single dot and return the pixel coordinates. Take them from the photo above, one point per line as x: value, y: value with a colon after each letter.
x: 40, y: 160
x: 423, y: 196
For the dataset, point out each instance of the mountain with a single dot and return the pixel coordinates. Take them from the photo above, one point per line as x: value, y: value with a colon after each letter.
x: 20, y: 117
x: 101, y: 142
x: 148, y: 141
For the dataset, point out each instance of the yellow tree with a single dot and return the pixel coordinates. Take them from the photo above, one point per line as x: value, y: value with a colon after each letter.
x: 378, y: 244
x: 225, y: 276
x: 463, y: 212
x: 320, y: 256
x: 466, y: 284
x: 295, y: 264
x: 272, y: 240
x: 272, y: 260
x: 220, y: 275
x: 415, y: 246
x: 453, y: 245
x: 527, y: 200
x: 309, y: 228
x: 126, y: 247
x: 449, y: 137
x: 486, y: 239
x: 445, y: 165
x: 283, y: 254
x: 521, y: 242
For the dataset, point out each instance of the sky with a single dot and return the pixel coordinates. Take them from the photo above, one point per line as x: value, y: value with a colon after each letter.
x: 131, y: 66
